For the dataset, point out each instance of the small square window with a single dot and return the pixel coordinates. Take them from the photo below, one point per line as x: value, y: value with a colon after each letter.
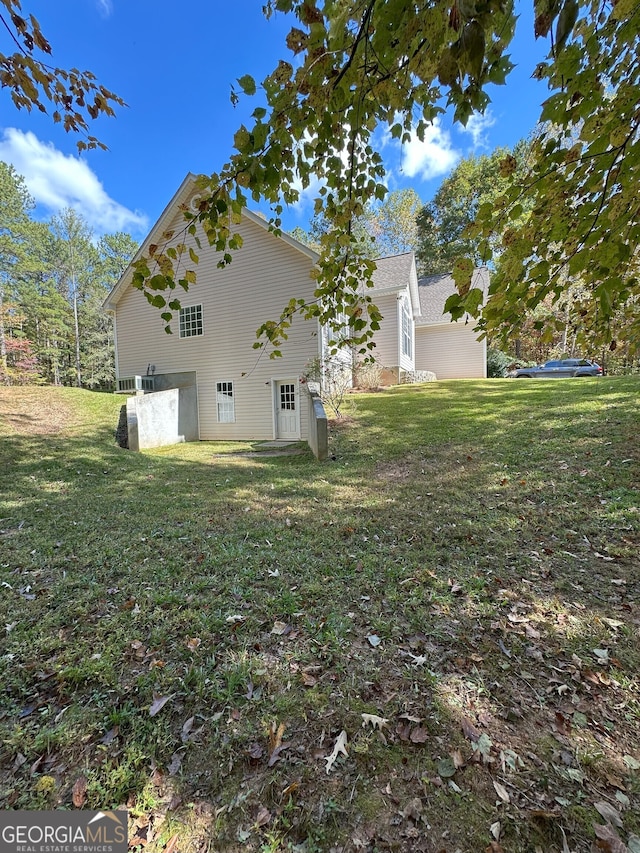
x: 191, y: 321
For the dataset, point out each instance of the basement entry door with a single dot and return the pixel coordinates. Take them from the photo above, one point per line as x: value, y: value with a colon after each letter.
x: 287, y: 412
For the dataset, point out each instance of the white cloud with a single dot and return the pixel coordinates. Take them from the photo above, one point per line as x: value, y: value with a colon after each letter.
x: 477, y: 127
x: 57, y: 180
x: 430, y: 157
x: 105, y: 7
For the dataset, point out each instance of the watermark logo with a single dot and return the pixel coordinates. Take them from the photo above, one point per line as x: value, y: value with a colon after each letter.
x: 63, y: 832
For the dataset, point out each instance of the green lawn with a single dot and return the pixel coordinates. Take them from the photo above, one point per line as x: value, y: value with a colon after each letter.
x: 188, y: 632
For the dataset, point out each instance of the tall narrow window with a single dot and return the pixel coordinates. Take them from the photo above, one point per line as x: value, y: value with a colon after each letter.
x: 407, y: 330
x: 191, y: 321
x: 225, y: 403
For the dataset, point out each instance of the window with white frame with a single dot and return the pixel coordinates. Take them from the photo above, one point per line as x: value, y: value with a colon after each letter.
x: 407, y: 329
x: 191, y: 321
x: 225, y: 403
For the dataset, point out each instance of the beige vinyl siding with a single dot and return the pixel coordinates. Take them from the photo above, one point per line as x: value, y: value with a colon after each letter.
x: 264, y: 275
x: 386, y: 337
x: 451, y: 352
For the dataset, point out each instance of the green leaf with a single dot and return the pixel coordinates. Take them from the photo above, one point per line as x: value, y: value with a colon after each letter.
x: 247, y: 84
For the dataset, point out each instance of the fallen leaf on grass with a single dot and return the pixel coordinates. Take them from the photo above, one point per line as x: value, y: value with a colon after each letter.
x: 79, y: 792
x: 275, y: 755
x: 633, y: 842
x: 446, y: 768
x: 483, y: 746
x: 495, y: 830
x: 275, y: 735
x: 469, y: 730
x: 608, y: 839
x: 502, y: 792
x: 172, y: 843
x: 458, y: 760
x: 374, y: 640
x: 263, y: 817
x: 290, y: 789
x: 280, y: 628
x: 419, y: 735
x: 562, y: 724
x: 340, y: 748
x: 374, y: 720
x: 158, y: 704
x: 413, y: 809
x: 186, y: 729
x: 193, y: 643
x: 607, y: 811
x: 631, y: 762
x: 255, y: 752
x: 174, y: 766
x: 602, y: 655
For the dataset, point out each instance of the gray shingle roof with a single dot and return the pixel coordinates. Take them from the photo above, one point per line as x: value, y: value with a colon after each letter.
x: 392, y: 272
x: 434, y: 290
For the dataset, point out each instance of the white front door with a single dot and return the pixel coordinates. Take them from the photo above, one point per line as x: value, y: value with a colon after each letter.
x: 287, y: 412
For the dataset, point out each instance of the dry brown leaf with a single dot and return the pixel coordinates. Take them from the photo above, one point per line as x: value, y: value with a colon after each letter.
x: 280, y: 628
x: 172, y: 843
x: 275, y: 736
x: 158, y: 704
x: 79, y: 792
x: 263, y: 817
x: 413, y: 809
x: 607, y: 811
x: 502, y: 792
x: 290, y: 789
x: 608, y: 839
x: 419, y: 735
x: 469, y: 730
x: 458, y: 760
x: 255, y: 752
x: 275, y: 755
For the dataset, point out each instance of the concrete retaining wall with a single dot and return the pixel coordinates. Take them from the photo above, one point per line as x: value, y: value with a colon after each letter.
x: 163, y: 418
x: 318, y: 432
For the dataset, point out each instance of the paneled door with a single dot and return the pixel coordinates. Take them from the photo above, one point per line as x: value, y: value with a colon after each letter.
x: 287, y: 411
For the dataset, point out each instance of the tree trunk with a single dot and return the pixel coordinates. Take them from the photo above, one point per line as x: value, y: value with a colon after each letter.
x: 4, y: 365
x: 77, y: 335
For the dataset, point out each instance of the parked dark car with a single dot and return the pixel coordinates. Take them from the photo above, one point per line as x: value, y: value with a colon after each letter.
x: 560, y: 369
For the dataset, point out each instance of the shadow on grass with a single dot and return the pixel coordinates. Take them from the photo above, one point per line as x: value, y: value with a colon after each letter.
x: 452, y: 572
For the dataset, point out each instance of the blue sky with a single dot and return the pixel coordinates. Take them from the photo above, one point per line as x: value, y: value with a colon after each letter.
x: 174, y: 66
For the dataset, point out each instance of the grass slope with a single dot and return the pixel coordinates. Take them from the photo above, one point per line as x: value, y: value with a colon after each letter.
x: 192, y: 634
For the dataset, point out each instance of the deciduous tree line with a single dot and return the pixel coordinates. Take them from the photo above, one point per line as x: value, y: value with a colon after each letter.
x: 54, y: 277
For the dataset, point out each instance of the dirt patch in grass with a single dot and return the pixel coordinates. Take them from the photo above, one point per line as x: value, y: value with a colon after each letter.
x: 27, y: 411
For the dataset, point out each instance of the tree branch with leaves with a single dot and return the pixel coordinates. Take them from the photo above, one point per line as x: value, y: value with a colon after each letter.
x: 76, y: 96
x: 361, y: 70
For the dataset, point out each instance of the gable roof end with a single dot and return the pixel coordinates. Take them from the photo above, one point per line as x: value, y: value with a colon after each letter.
x: 395, y: 273
x: 183, y: 194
